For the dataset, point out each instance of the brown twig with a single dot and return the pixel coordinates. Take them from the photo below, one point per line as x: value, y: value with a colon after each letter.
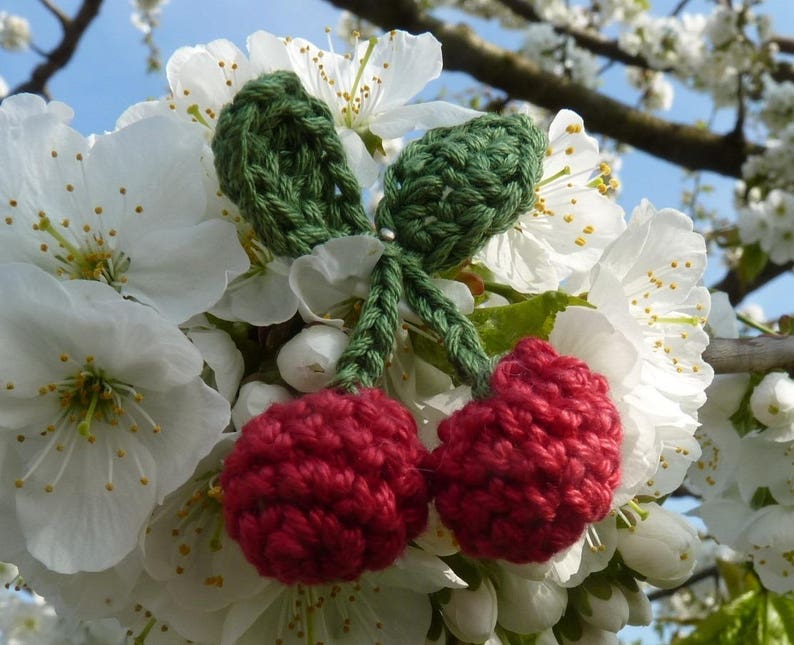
x: 737, y: 289
x: 56, y: 11
x: 59, y: 57
x: 708, y: 572
x: 760, y: 353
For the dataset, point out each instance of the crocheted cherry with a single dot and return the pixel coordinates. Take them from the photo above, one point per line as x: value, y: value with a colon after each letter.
x: 324, y: 487
x: 520, y: 474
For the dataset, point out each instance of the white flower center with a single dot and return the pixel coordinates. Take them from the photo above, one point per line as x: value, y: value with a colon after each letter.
x: 357, y: 100
x: 344, y: 604
x: 90, y: 256
x: 87, y: 398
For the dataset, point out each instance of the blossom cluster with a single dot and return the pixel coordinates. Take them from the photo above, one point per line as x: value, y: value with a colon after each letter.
x: 155, y: 341
x: 744, y: 473
x: 14, y: 32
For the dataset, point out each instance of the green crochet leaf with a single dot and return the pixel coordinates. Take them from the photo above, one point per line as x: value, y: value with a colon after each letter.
x: 279, y: 158
x: 450, y: 191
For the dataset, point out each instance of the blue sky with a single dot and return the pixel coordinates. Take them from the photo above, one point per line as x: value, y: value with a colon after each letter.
x: 108, y: 74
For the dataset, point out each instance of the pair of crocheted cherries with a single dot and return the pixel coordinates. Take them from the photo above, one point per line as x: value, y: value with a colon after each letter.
x: 335, y: 483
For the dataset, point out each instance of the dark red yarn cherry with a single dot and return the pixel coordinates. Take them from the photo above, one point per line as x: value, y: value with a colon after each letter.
x: 325, y: 487
x: 519, y: 475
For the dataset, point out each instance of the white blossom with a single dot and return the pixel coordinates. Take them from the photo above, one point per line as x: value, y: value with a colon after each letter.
x: 368, y: 90
x: 607, y: 609
x: 308, y: 360
x: 201, y: 587
x: 27, y: 621
x: 101, y: 423
x: 125, y: 209
x: 470, y: 614
x: 571, y: 223
x: 254, y: 398
x: 660, y: 545
x: 558, y: 54
x: 717, y: 467
x: 770, y: 222
x: 528, y: 606
x: 778, y: 106
x: 772, y: 400
x: 332, y: 281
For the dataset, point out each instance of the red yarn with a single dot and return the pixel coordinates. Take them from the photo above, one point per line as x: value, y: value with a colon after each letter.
x: 519, y: 475
x: 326, y: 486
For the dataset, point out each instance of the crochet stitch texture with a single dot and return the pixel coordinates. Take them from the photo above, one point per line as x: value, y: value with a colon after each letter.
x: 519, y: 475
x: 326, y: 486
x: 332, y: 484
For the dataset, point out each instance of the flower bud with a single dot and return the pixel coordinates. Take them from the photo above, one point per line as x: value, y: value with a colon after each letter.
x: 14, y: 32
x: 254, y: 398
x: 529, y: 606
x: 772, y: 400
x: 308, y: 361
x: 601, y: 604
x: 640, y: 609
x: 590, y: 635
x: 470, y: 614
x: 662, y: 546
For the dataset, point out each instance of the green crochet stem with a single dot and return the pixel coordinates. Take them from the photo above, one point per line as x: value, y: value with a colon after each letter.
x: 364, y: 359
x: 278, y: 157
x: 395, y: 274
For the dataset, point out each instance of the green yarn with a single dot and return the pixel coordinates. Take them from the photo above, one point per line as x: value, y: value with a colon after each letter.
x: 279, y: 158
x: 364, y: 359
x: 456, y: 187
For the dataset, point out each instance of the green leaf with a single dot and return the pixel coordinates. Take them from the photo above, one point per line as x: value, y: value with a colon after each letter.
x: 733, y: 624
x: 762, y: 497
x: 598, y: 586
x: 501, y: 327
x: 738, y: 577
x: 511, y: 638
x: 743, y: 420
x: 752, y: 262
x: 468, y: 569
x: 784, y: 606
x: 754, y: 618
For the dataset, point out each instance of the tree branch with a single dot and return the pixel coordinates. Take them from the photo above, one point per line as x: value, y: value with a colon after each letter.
x: 784, y: 44
x: 58, y: 58
x: 737, y: 289
x: 678, y: 143
x: 60, y: 16
x: 761, y: 353
x: 708, y: 572
x: 593, y: 43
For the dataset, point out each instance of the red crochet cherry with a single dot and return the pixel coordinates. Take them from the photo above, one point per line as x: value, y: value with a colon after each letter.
x: 325, y: 487
x: 520, y: 475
